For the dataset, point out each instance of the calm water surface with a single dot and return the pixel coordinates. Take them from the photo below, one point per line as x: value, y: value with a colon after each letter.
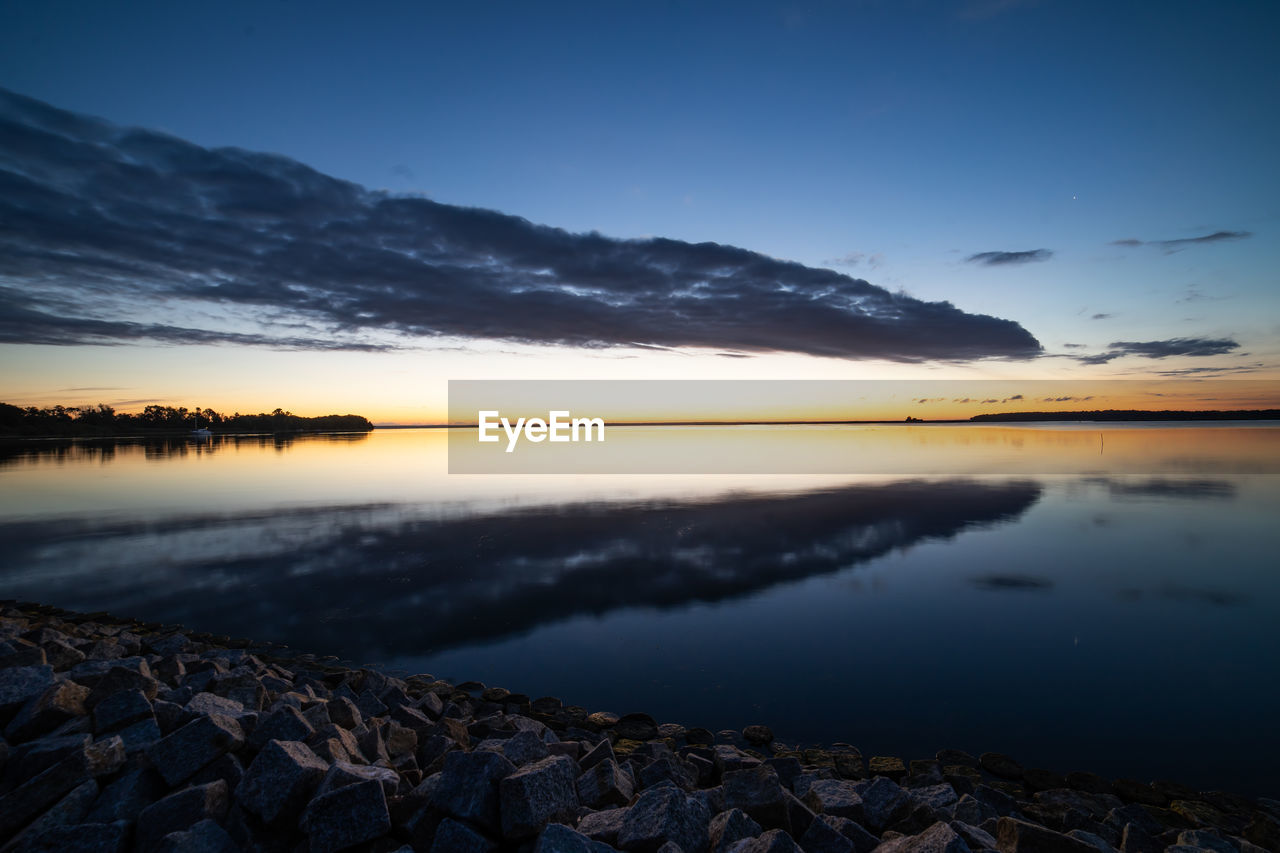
x: 1116, y: 611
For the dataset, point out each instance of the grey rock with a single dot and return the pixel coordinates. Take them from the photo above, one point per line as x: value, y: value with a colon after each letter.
x: 883, y: 802
x: 181, y: 811
x: 20, y: 684
x: 605, y: 784
x: 209, y: 703
x: 973, y: 811
x: 347, y: 816
x: 51, y: 708
x: 773, y: 841
x: 343, y: 773
x: 818, y: 835
x: 68, y: 811
x: 468, y: 787
x: 558, y: 838
x: 134, y: 676
x: 976, y: 837
x: 81, y: 838
x: 121, y: 710
x: 182, y: 754
x: 344, y: 712
x: 729, y: 827
x: 524, y: 747
x: 1019, y: 836
x: 1134, y: 839
x: 802, y: 782
x: 603, y: 825
x: 834, y: 797
x: 664, y: 814
x: 668, y: 768
x: 279, y: 781
x: 1005, y: 805
x: 1101, y: 843
x: 598, y: 753
x: 1205, y: 840
x: 32, y: 758
x: 204, y: 836
x: 758, y: 792
x: 938, y: 838
x: 140, y: 736
x: 62, y: 656
x: 283, y: 724
x: 456, y: 837
x: 91, y: 761
x: 126, y: 797
x: 242, y: 686
x: 537, y: 793
x: 939, y: 797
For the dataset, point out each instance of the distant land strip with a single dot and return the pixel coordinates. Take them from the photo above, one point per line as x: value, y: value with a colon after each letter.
x: 1135, y: 415
x: 103, y: 421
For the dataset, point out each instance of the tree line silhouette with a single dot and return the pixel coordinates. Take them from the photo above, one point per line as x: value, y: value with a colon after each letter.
x: 104, y: 420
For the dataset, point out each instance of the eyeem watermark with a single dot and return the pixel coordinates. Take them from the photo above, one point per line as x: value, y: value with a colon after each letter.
x: 559, y: 426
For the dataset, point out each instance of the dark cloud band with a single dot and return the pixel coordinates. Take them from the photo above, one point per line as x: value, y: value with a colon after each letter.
x: 106, y: 228
x: 1163, y: 349
x: 996, y: 259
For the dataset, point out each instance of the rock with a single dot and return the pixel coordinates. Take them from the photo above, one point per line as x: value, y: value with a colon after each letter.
x: 181, y: 811
x: 758, y: 735
x: 1036, y: 779
x: 535, y: 794
x: 939, y: 797
x: 20, y: 684
x: 605, y: 784
x: 976, y: 838
x: 343, y: 773
x: 81, y: 838
x: 758, y: 792
x: 454, y: 835
x: 344, y: 712
x: 119, y: 676
x: 603, y: 826
x: 1000, y: 765
x: 598, y: 753
x: 62, y: 656
x: 68, y: 811
x: 730, y: 826
x: 121, y: 710
x: 670, y: 769
x: 885, y: 765
x: 468, y: 787
x: 1004, y: 804
x: 1019, y: 836
x: 140, y: 736
x: 282, y: 724
x: 1264, y: 831
x: 90, y: 761
x: 1090, y: 783
x: 1134, y: 839
x: 773, y: 841
x: 636, y: 727
x: 603, y: 719
x: 524, y: 747
x: 182, y: 754
x: 1092, y: 840
x: 241, y: 686
x: 125, y: 798
x: 277, y: 784
x: 347, y: 816
x: 938, y: 838
x: 883, y: 802
x: 664, y: 814
x: 558, y: 838
x: 838, y: 798
x: 44, y: 713
x: 205, y: 836
x: 830, y: 834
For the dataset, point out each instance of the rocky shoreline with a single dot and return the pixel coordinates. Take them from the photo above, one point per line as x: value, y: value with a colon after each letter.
x: 121, y: 735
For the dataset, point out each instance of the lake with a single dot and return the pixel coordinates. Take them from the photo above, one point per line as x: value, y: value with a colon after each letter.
x: 1096, y: 597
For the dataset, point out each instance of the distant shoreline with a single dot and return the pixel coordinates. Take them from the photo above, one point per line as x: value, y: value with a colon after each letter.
x: 1104, y: 415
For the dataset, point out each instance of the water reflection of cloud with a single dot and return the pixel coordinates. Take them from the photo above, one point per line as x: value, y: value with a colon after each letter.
x: 1024, y: 583
x: 1164, y: 487
x: 334, y: 579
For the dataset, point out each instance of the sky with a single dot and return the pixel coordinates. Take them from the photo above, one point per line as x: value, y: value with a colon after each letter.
x: 252, y: 205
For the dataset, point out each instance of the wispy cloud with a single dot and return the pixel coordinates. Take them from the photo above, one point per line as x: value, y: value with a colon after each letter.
x: 995, y: 259
x: 1162, y: 349
x: 1180, y: 243
x: 109, y: 228
x: 854, y: 259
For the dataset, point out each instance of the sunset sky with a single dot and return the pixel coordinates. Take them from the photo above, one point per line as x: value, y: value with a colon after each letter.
x: 252, y: 205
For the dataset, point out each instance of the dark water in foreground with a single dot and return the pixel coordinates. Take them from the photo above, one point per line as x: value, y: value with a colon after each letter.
x: 1119, y: 614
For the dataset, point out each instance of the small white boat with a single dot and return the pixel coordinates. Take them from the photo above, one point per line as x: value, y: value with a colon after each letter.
x: 199, y: 431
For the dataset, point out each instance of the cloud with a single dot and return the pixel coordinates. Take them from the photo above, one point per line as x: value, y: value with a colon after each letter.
x: 1171, y: 246
x: 853, y: 259
x: 1024, y: 583
x: 993, y: 259
x: 1066, y: 399
x: 1101, y: 316
x: 117, y: 235
x: 1162, y: 349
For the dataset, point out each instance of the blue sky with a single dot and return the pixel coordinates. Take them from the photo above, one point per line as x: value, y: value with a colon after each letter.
x: 888, y: 141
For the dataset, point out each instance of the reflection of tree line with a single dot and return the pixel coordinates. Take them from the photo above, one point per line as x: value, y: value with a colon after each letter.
x: 359, y: 588
x: 160, y: 447
x: 103, y: 420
